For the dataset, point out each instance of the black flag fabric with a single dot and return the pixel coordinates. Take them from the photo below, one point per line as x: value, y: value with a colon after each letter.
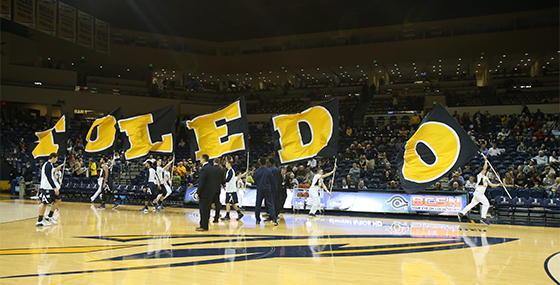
x: 52, y: 140
x: 437, y: 148
x: 103, y: 134
x: 153, y: 131
x: 307, y: 134
x: 221, y: 132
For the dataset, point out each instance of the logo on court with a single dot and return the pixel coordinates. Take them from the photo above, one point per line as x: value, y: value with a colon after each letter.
x: 210, y: 249
x: 397, y: 202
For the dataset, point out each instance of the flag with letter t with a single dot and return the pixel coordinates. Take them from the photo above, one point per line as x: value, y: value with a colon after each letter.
x: 437, y: 148
x: 52, y: 140
x: 103, y: 133
x: 307, y: 134
x: 221, y: 132
x: 149, y: 132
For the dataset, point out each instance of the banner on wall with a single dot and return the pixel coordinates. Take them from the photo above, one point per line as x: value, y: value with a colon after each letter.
x: 102, y: 36
x: 85, y: 29
x: 24, y: 12
x: 66, y: 26
x: 46, y: 16
x: 6, y: 9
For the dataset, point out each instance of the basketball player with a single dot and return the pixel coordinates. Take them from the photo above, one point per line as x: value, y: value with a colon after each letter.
x: 478, y: 196
x: 317, y: 184
x: 49, y: 192
x: 164, y: 175
x: 151, y: 188
x: 231, y: 191
x: 105, y: 182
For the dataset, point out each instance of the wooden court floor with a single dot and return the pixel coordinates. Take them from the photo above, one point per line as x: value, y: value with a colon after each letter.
x: 125, y: 246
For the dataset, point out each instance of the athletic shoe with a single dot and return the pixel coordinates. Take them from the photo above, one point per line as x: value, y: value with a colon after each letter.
x: 275, y: 223
x: 115, y: 207
x: 239, y: 216
x: 145, y: 210
x: 460, y: 217
x: 160, y: 207
x: 484, y: 221
x: 258, y: 222
x: 156, y: 209
x: 101, y: 208
x: 269, y: 219
x: 42, y: 223
x: 311, y: 215
x: 225, y: 218
x: 50, y: 220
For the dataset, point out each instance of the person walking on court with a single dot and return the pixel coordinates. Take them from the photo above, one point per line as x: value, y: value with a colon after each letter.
x: 478, y: 196
x: 231, y: 191
x: 151, y: 189
x: 105, y: 182
x: 263, y: 180
x: 209, y: 182
x: 276, y: 187
x: 317, y: 184
x: 49, y: 192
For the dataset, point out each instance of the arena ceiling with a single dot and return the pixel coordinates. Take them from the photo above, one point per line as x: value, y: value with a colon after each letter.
x: 223, y: 20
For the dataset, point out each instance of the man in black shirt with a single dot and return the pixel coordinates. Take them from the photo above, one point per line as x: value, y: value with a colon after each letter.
x: 209, y: 182
x: 263, y: 180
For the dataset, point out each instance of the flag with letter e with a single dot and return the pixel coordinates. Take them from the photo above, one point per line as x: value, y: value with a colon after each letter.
x: 307, y: 134
x: 221, y: 132
x: 437, y: 148
x: 149, y: 132
x: 102, y: 135
x: 52, y: 140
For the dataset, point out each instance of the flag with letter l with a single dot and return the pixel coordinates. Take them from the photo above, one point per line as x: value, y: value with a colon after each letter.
x: 103, y: 133
x: 149, y: 132
x: 437, y: 148
x: 52, y: 140
x: 221, y: 132
x: 307, y: 134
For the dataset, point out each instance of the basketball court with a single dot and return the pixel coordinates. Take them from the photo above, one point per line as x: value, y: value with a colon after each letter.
x: 125, y: 246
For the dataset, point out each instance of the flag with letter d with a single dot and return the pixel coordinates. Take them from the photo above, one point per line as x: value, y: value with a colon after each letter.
x: 102, y: 135
x: 149, y: 132
x: 307, y: 134
x: 52, y: 140
x: 221, y: 132
x: 437, y: 148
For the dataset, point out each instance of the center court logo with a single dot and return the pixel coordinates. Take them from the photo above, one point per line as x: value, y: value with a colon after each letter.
x: 397, y: 202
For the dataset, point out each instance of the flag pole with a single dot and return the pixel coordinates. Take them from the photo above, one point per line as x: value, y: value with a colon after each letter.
x: 332, y: 181
x: 497, y: 175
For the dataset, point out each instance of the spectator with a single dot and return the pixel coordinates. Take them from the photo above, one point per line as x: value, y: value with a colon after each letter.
x: 494, y: 151
x: 363, y: 162
x: 344, y: 184
x: 348, y: 155
x: 541, y: 159
x: 294, y: 182
x: 92, y: 168
x: 508, y: 180
x: 456, y: 187
x: 549, y: 180
x: 415, y: 120
x: 471, y: 184
x: 536, y: 180
x: 181, y: 170
x: 354, y: 172
x: 455, y: 179
x: 521, y: 147
x: 301, y: 172
x: 361, y: 185
x: 554, y: 160
x: 521, y: 180
x: 483, y: 149
x: 553, y: 190
x: 437, y: 186
x: 349, y: 131
x: 393, y: 185
x: 312, y: 163
x: 182, y: 144
x: 28, y: 173
x: 309, y: 175
x: 351, y: 183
